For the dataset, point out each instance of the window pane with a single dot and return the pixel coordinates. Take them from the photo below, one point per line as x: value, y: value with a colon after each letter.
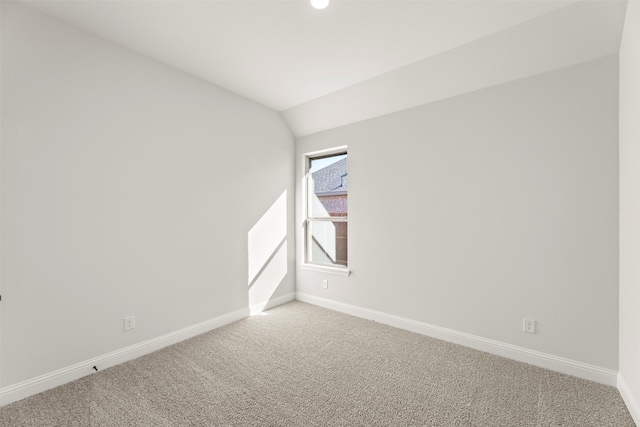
x: 328, y: 187
x: 327, y: 242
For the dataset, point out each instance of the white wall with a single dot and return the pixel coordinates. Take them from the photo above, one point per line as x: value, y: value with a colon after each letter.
x: 629, y: 379
x: 128, y: 188
x: 474, y: 212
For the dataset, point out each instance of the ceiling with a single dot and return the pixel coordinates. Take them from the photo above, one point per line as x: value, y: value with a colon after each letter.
x: 326, y: 68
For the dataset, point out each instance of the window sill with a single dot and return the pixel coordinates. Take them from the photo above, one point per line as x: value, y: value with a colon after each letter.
x: 326, y: 269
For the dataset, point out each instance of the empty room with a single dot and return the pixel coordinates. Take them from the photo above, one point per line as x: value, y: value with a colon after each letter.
x: 320, y: 213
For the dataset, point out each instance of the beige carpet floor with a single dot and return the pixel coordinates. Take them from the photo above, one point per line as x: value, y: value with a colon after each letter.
x: 301, y: 365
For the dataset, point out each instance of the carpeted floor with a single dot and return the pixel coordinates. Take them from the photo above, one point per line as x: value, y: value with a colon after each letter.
x: 301, y: 365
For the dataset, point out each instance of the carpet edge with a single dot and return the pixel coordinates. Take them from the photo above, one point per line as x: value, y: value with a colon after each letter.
x: 548, y: 361
x: 32, y: 386
x: 629, y: 399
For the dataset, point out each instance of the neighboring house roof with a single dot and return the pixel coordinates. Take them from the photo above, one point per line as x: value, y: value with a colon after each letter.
x: 331, y: 179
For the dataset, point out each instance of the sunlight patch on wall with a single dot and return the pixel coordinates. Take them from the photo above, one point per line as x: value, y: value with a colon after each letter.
x: 267, y: 248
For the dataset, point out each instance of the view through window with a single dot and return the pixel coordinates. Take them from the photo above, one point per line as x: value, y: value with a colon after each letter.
x: 327, y: 219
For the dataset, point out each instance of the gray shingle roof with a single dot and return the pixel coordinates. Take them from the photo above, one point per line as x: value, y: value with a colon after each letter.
x: 331, y: 179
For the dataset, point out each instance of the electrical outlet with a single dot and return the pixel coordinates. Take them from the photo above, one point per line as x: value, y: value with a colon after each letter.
x: 325, y: 284
x: 529, y: 325
x: 129, y: 323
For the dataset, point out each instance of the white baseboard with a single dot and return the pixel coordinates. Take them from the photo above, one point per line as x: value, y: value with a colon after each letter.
x: 532, y: 357
x: 273, y: 302
x: 62, y: 376
x: 629, y: 399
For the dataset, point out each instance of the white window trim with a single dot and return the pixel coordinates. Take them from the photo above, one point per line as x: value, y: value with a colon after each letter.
x: 342, y: 271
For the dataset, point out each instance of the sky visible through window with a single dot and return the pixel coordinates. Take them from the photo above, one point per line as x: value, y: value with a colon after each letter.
x: 317, y: 164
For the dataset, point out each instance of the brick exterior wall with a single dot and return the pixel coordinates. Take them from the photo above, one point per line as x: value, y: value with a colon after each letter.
x: 337, y: 206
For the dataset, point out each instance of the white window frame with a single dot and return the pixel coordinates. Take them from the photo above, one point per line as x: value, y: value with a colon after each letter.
x: 310, y: 265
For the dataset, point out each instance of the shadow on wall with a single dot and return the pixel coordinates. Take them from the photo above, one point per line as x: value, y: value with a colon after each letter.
x: 267, y: 255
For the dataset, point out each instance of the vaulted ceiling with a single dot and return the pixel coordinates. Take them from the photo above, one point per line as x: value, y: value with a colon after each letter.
x: 355, y: 59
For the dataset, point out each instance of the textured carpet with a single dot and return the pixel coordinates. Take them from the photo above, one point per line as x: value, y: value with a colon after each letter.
x: 301, y: 365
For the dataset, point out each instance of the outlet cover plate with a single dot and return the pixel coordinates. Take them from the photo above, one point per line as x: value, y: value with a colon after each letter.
x: 129, y: 323
x: 529, y: 325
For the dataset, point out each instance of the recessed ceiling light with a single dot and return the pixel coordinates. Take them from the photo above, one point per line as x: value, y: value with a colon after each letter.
x: 319, y: 4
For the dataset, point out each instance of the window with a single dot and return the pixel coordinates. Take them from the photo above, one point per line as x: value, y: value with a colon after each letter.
x: 326, y: 210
